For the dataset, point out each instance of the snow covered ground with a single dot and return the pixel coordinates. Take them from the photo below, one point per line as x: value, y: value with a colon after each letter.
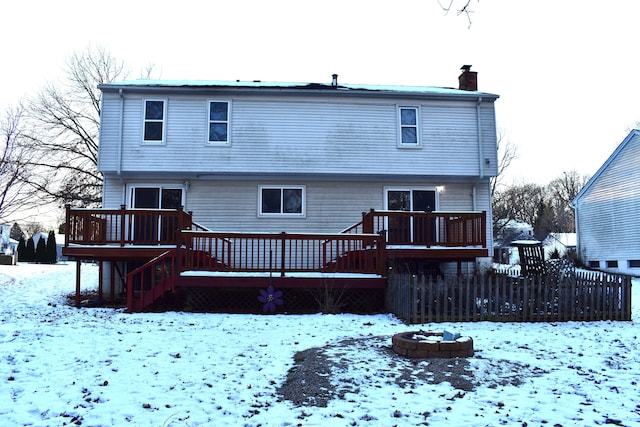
x: 101, y: 367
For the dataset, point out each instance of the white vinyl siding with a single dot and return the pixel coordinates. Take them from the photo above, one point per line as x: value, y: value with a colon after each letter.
x: 303, y: 135
x: 330, y: 208
x: 607, y: 213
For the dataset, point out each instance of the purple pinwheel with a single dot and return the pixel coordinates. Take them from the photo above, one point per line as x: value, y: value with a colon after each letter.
x: 270, y: 298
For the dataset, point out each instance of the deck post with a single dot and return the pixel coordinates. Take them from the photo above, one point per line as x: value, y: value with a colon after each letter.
x: 112, y: 283
x: 381, y: 246
x: 100, y: 277
x: 122, y: 223
x: 282, y: 252
x: 179, y: 261
x: 78, y: 261
x: 483, y: 235
x: 67, y: 222
x: 367, y: 222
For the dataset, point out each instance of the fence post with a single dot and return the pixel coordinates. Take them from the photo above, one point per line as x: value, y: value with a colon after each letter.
x: 627, y: 298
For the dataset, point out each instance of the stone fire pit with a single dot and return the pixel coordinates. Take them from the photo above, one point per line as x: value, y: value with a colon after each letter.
x: 428, y: 344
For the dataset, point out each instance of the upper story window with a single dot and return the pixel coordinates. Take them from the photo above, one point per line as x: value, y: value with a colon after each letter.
x: 154, y: 120
x: 408, y: 124
x: 276, y: 200
x: 219, y: 122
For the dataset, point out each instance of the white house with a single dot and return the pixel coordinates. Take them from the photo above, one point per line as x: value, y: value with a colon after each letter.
x: 607, y: 212
x: 6, y: 248
x: 559, y: 244
x: 508, y: 231
x: 301, y: 157
x: 257, y: 156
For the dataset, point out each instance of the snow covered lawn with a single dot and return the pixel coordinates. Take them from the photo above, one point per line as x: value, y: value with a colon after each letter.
x: 101, y: 367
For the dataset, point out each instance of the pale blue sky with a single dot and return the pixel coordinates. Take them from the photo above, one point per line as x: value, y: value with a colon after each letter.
x: 565, y: 71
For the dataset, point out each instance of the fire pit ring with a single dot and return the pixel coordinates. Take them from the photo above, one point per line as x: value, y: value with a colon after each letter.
x: 429, y: 344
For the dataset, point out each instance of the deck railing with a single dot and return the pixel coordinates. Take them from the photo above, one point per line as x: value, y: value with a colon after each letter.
x: 125, y: 226
x: 151, y: 281
x: 447, y: 229
x: 281, y: 253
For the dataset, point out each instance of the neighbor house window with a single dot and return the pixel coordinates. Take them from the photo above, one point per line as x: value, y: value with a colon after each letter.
x: 288, y: 200
x: 154, y: 120
x: 408, y: 126
x: 219, y: 122
x: 594, y: 264
x: 634, y: 263
x: 612, y: 264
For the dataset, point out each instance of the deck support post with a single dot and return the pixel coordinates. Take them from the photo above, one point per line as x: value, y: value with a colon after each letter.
x: 100, y: 276
x: 112, y: 280
x: 78, y: 261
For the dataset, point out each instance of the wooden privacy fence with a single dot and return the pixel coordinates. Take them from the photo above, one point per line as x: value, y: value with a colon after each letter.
x: 582, y: 296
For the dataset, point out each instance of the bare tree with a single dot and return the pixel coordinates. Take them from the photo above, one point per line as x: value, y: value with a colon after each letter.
x: 521, y: 201
x: 507, y: 153
x: 461, y: 7
x: 64, y: 122
x: 15, y: 193
x: 560, y: 193
x: 567, y: 186
x: 547, y: 208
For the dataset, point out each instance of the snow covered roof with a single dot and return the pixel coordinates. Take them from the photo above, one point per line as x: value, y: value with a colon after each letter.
x: 525, y: 242
x: 565, y: 239
x: 145, y: 84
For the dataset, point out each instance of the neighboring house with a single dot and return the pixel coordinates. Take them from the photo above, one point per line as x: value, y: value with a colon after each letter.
x: 249, y: 157
x: 509, y: 231
x: 560, y: 243
x: 607, y: 209
x: 6, y: 247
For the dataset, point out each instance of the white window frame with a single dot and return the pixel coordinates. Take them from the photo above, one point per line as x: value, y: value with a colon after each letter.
x: 131, y: 188
x: 410, y: 189
x: 163, y: 121
x: 227, y: 122
x: 418, y: 143
x: 130, y: 191
x: 301, y: 214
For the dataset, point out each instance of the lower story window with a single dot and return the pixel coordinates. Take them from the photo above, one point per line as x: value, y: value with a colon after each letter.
x: 276, y: 200
x: 634, y: 263
x: 612, y: 264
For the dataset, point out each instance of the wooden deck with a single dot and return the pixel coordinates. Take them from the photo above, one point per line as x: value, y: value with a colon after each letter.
x: 161, y: 250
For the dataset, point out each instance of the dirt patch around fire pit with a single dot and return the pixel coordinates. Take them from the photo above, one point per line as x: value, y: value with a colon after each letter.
x: 322, y: 374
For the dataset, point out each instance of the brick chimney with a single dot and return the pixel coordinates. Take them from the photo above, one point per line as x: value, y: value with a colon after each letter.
x: 468, y: 80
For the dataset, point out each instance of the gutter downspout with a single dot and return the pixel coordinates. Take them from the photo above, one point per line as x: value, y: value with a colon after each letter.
x: 574, y: 205
x: 480, y: 153
x: 120, y: 142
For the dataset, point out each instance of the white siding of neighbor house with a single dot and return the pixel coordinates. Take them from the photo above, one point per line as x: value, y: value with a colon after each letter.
x: 310, y: 135
x: 608, y: 211
x: 331, y: 207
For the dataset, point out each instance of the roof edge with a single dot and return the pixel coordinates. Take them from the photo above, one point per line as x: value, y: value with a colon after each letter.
x: 149, y: 85
x: 605, y: 165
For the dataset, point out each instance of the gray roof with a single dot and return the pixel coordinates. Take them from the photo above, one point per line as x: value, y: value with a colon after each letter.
x: 256, y: 85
